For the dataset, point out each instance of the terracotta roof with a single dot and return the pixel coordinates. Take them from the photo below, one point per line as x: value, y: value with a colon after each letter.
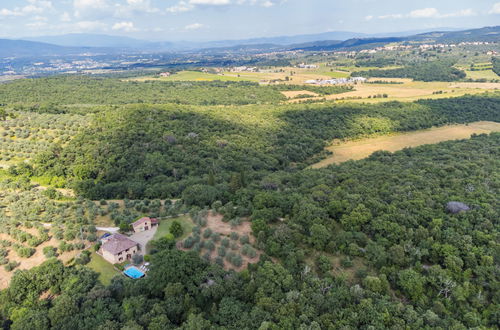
x: 154, y: 221
x: 141, y: 221
x: 118, y: 243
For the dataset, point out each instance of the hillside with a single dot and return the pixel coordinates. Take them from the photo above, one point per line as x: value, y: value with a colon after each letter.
x: 22, y: 48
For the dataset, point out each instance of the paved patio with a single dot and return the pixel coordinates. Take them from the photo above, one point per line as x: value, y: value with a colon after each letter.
x: 143, y: 238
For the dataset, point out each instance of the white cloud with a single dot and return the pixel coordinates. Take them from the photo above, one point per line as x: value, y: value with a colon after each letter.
x: 267, y: 4
x: 430, y: 13
x: 33, y: 7
x: 65, y: 17
x: 210, y: 2
x: 90, y: 26
x: 194, y: 26
x: 423, y: 13
x: 124, y: 26
x: 7, y: 12
x: 368, y: 18
x: 495, y: 9
x: 91, y: 8
x: 188, y: 5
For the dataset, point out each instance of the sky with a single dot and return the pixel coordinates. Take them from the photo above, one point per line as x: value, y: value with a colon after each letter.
x: 237, y: 19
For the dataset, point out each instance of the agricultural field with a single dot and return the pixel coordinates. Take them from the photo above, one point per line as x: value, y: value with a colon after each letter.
x: 359, y: 149
x: 29, y: 133
x: 405, y: 90
x: 228, y: 243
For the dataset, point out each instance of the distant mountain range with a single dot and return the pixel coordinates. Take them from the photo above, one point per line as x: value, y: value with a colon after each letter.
x: 73, y: 44
x: 486, y: 34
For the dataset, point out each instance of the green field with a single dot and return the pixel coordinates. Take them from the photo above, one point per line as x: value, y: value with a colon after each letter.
x: 164, y: 226
x: 105, y: 269
x: 484, y: 74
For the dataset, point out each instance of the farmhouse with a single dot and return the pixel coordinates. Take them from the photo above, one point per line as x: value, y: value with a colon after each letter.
x: 118, y: 248
x: 165, y: 74
x: 144, y: 224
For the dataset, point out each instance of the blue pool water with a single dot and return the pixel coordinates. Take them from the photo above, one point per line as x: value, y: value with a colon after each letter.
x: 133, y: 272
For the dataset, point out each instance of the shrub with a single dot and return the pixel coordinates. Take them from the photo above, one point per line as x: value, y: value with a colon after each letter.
x: 207, y: 233
x: 210, y: 245
x: 137, y: 259
x: 11, y: 266
x: 244, y: 239
x: 225, y: 242
x: 234, y: 236
x: 50, y: 251
x: 346, y: 262
x: 219, y: 261
x: 221, y: 251
x: 176, y: 229
x: 188, y: 242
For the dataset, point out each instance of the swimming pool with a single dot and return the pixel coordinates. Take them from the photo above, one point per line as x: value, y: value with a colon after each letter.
x: 133, y: 272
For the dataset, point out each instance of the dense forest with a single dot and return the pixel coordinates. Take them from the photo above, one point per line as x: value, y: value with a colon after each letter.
x: 406, y: 261
x: 437, y: 70
x: 159, y: 151
x: 496, y: 65
x: 55, y: 93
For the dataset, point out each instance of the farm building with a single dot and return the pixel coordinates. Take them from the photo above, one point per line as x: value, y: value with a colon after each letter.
x: 118, y: 248
x: 144, y: 224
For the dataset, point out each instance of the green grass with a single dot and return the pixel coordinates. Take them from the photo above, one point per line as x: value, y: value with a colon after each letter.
x: 164, y: 226
x: 105, y: 269
x: 484, y: 74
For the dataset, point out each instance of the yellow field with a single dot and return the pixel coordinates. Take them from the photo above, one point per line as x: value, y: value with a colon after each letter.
x: 408, y: 91
x: 355, y: 150
x: 299, y: 75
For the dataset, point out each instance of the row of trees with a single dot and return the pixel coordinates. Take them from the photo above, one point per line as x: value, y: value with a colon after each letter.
x: 437, y: 70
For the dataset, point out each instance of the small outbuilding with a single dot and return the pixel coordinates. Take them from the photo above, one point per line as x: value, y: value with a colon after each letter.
x: 144, y: 223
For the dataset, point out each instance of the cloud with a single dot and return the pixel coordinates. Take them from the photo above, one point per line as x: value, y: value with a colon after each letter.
x: 194, y: 26
x: 181, y: 7
x: 188, y: 5
x: 91, y: 8
x: 495, y: 9
x: 90, y: 26
x: 210, y: 2
x: 368, y: 18
x: 33, y: 7
x: 429, y: 13
x: 424, y: 13
x: 124, y: 26
x: 65, y: 17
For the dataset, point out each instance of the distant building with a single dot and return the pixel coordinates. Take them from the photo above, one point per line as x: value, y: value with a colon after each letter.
x: 337, y: 81
x: 307, y: 66
x: 118, y: 248
x: 165, y: 74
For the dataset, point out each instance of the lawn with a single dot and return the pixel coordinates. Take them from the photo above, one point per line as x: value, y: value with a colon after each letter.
x: 163, y: 228
x: 105, y: 269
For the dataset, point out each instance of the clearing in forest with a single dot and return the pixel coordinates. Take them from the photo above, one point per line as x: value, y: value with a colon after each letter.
x: 355, y: 150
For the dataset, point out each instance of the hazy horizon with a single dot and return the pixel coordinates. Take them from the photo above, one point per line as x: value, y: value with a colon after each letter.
x: 203, y: 20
